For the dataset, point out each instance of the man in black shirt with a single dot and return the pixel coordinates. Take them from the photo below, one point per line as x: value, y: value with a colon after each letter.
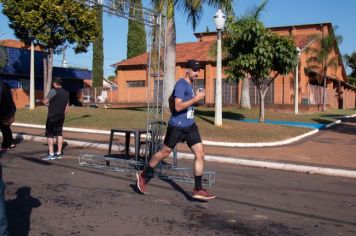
x: 7, y: 116
x: 57, y: 99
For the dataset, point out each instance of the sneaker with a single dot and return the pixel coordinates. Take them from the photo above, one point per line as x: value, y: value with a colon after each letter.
x: 202, y: 194
x: 58, y: 155
x: 141, y: 183
x: 49, y: 157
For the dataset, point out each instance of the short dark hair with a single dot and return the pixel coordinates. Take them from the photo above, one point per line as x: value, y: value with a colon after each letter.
x: 57, y: 80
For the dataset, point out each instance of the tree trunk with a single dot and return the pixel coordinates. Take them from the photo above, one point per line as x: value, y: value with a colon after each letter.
x: 50, y: 69
x: 45, y: 75
x: 245, y: 95
x: 262, y: 104
x: 324, y: 94
x: 170, y: 72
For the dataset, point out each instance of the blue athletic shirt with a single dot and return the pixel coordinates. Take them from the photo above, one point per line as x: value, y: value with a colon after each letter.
x: 184, y: 118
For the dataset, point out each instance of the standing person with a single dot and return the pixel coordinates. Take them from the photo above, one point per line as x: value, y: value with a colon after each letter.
x: 181, y: 127
x: 7, y: 116
x: 57, y: 100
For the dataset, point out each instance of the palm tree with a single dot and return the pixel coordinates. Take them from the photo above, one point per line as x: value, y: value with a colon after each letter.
x: 194, y: 10
x: 321, y: 59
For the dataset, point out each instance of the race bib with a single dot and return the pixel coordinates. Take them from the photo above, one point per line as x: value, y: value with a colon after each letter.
x: 190, y: 113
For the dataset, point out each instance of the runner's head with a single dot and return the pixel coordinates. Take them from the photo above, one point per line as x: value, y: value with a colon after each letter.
x: 192, y: 69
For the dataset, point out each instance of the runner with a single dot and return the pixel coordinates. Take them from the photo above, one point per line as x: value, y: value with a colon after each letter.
x: 181, y: 127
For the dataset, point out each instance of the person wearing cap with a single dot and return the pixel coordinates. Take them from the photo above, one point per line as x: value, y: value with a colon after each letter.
x: 57, y: 101
x: 181, y: 127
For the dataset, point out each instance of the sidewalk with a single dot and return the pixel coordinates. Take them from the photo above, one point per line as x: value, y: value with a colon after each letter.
x: 329, y: 151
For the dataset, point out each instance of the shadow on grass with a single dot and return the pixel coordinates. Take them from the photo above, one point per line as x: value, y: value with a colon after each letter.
x: 205, y: 115
x: 77, y: 118
x: 129, y: 108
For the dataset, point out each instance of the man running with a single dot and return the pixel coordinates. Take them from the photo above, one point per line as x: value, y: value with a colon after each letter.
x: 181, y: 127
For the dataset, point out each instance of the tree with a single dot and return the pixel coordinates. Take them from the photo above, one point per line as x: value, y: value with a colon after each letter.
x: 253, y: 50
x: 351, y: 62
x: 98, y: 49
x: 321, y: 59
x: 51, y: 24
x: 136, y: 36
x: 193, y: 10
x: 254, y: 12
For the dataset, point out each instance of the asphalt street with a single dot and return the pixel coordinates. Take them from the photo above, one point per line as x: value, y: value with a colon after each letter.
x: 61, y: 198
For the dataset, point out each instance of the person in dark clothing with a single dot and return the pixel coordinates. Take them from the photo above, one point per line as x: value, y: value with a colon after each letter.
x: 7, y: 116
x: 57, y: 100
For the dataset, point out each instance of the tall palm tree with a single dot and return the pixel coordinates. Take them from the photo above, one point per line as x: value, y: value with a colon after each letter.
x: 322, y: 59
x: 194, y: 10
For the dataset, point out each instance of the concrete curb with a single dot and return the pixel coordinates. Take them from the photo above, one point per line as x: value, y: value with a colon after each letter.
x: 227, y: 160
x: 205, y: 142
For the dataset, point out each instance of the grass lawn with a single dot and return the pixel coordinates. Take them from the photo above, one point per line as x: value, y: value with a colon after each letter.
x: 233, y: 130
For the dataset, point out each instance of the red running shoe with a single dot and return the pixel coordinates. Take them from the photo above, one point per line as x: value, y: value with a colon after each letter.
x: 141, y: 183
x: 202, y: 194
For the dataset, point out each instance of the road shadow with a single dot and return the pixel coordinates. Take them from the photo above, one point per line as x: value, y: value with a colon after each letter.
x: 19, y: 210
x: 182, y: 191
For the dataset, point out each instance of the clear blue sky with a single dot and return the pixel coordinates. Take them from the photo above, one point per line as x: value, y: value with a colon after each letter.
x: 341, y: 13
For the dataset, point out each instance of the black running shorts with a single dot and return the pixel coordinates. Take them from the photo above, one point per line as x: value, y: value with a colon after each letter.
x: 175, y: 135
x: 54, y: 126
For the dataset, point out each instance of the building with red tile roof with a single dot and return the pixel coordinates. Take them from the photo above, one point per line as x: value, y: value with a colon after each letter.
x: 132, y: 77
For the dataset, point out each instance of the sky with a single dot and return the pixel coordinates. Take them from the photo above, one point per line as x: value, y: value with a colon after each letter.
x: 341, y: 13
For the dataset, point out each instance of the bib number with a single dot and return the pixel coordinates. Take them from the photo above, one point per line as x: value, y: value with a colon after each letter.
x: 190, y: 113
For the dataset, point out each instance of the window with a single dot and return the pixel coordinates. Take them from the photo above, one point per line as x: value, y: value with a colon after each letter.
x: 135, y: 83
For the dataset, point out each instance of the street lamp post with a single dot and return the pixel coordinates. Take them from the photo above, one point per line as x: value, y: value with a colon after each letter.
x: 219, y: 19
x: 296, y: 84
x: 32, y: 76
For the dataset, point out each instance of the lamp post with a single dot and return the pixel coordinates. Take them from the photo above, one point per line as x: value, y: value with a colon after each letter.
x: 32, y: 76
x: 296, y: 84
x: 219, y: 19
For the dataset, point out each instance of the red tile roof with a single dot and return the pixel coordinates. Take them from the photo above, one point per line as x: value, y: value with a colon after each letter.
x: 184, y: 51
x: 16, y: 44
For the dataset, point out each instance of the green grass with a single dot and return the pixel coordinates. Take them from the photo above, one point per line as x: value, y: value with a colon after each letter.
x: 233, y: 130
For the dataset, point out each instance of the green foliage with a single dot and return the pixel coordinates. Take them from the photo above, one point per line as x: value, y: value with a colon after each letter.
x: 51, y: 24
x: 351, y: 62
x: 136, y: 36
x: 253, y: 50
x: 320, y: 59
x: 112, y: 78
x: 98, y: 49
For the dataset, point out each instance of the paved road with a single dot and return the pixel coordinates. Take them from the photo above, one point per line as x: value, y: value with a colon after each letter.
x: 61, y: 198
